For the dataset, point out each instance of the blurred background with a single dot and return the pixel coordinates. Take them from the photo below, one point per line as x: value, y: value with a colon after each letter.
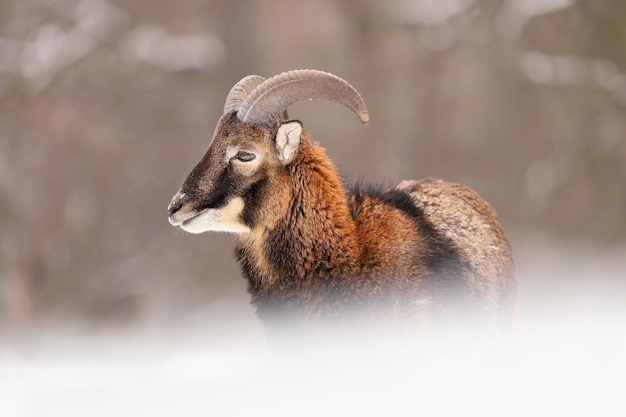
x: 106, y: 105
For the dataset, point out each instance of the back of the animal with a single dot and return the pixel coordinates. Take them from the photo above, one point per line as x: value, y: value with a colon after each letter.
x: 476, y: 240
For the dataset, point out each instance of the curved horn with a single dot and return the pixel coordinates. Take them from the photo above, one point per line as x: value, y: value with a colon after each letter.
x: 275, y: 94
x: 240, y: 91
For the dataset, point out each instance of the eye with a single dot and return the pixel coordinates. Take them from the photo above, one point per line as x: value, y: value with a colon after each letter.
x: 244, y: 156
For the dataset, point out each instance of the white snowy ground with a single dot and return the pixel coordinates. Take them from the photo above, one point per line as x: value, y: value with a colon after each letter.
x: 569, y: 359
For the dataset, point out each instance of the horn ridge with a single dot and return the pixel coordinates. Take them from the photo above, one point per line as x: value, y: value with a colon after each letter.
x: 265, y: 103
x: 237, y: 95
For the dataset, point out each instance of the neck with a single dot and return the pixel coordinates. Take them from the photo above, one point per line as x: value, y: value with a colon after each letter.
x: 315, y: 238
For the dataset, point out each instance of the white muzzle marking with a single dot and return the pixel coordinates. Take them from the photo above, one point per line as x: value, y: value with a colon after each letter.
x: 223, y: 219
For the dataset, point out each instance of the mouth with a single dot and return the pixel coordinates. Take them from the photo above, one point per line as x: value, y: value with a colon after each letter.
x: 183, y: 219
x: 227, y: 218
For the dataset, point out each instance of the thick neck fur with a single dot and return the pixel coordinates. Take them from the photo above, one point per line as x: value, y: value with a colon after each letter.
x: 314, y: 238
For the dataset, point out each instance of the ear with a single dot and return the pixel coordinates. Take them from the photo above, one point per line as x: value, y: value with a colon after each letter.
x: 287, y: 141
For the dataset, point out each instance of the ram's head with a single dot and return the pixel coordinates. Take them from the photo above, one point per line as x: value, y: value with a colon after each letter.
x: 236, y: 184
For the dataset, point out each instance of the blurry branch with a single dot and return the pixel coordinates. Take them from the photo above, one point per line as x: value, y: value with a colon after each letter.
x: 154, y: 45
x: 50, y: 48
x: 569, y: 70
x: 515, y: 14
x: 428, y: 13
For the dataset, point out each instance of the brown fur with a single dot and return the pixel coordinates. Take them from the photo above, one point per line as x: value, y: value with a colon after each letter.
x: 425, y: 252
x: 330, y: 255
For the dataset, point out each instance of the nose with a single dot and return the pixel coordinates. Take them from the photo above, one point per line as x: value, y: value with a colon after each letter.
x: 177, y: 202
